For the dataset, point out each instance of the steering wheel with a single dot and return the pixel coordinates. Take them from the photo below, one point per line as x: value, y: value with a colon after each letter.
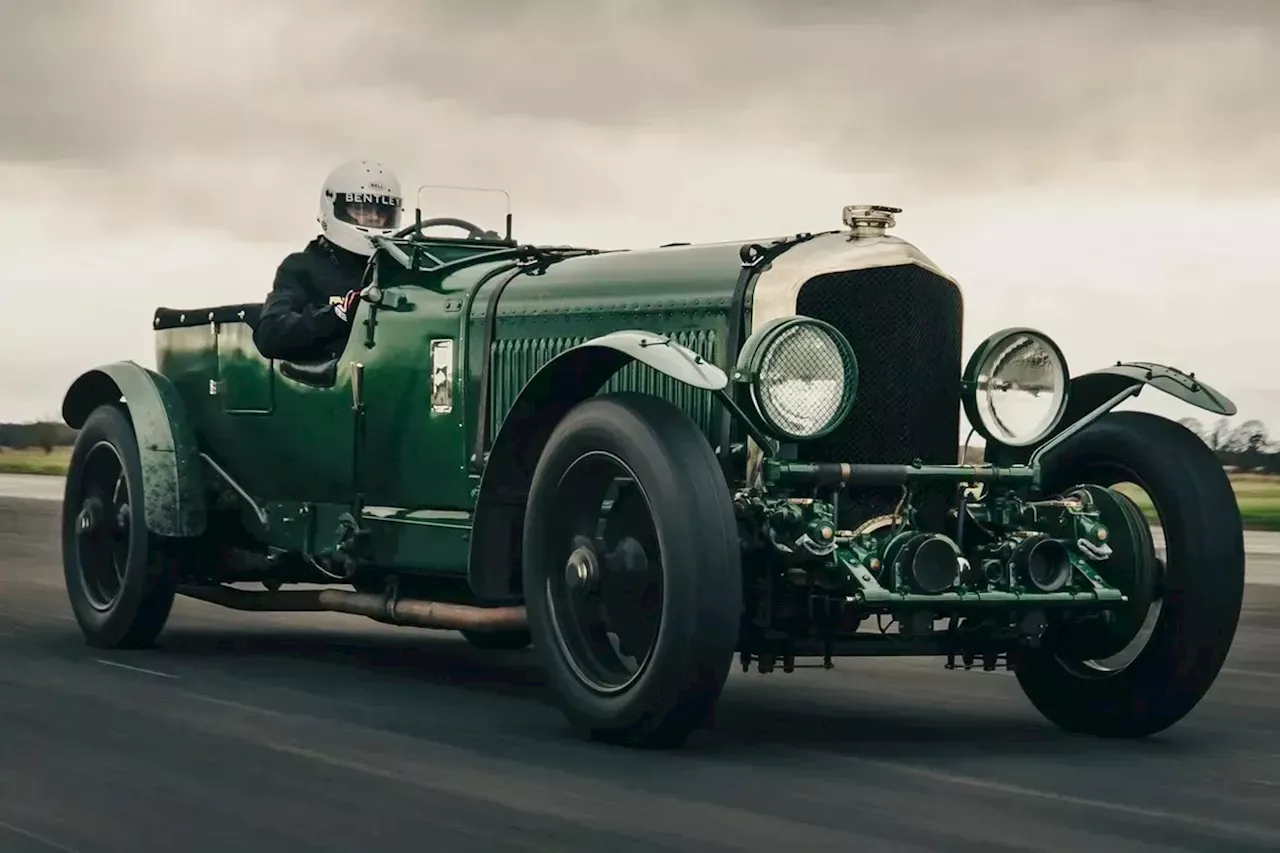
x: 474, y: 232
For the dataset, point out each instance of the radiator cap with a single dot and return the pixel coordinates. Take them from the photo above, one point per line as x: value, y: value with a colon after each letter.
x: 869, y: 220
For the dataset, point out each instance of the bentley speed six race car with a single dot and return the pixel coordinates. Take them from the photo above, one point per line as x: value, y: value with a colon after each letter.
x: 654, y: 464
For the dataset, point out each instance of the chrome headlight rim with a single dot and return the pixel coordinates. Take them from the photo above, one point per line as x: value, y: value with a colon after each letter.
x: 974, y: 371
x: 756, y: 350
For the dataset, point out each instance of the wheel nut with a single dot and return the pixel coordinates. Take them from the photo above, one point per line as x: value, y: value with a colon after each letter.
x: 580, y: 570
x: 86, y: 521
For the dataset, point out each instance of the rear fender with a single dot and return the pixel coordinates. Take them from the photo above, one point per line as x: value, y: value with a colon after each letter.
x: 172, y: 488
x: 1091, y: 390
x: 574, y: 375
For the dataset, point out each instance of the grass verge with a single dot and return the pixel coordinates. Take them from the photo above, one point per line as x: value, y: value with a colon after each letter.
x: 1257, y: 494
x: 34, y: 461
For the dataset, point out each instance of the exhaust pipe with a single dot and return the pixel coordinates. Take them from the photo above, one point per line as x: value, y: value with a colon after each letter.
x: 424, y: 614
x: 413, y: 612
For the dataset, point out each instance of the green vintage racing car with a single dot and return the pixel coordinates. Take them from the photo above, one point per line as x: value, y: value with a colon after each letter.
x: 653, y: 463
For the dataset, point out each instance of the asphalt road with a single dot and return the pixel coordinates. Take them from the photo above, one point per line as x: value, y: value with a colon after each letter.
x: 332, y: 733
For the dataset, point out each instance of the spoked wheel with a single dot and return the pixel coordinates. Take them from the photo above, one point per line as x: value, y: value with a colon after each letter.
x: 1154, y: 663
x: 632, y: 570
x: 120, y: 596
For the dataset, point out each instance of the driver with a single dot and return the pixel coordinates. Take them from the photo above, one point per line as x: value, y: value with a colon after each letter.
x: 307, y: 316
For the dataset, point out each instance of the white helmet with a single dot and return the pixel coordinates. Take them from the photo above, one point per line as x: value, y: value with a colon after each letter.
x: 360, y: 199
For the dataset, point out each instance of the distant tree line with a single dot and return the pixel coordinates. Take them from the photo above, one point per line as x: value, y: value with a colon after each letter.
x: 45, y: 435
x: 1246, y: 446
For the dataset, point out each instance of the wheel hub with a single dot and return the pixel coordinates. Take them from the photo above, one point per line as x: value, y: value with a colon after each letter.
x: 628, y: 561
x: 582, y: 570
x: 604, y: 590
x: 89, y: 519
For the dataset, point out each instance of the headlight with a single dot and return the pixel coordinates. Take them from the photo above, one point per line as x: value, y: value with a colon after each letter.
x: 803, y: 376
x: 1016, y: 387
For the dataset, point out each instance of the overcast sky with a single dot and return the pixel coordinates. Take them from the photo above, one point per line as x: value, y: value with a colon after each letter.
x: 1108, y: 172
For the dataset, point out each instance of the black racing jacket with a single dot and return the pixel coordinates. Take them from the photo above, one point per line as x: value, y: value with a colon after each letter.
x: 297, y: 322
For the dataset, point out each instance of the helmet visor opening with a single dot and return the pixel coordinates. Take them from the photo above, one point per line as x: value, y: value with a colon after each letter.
x: 367, y: 210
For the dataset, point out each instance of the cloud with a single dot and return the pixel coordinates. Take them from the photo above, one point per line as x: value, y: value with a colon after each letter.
x: 195, y: 105
x: 1076, y: 164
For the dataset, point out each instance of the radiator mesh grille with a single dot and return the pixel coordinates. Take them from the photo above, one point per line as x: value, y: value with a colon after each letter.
x: 905, y: 325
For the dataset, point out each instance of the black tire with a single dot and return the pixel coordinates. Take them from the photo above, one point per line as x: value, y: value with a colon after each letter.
x: 506, y: 641
x: 688, y: 520
x: 1200, y: 592
x: 130, y: 611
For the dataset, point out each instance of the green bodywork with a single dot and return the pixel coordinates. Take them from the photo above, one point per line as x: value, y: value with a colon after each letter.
x: 305, y: 454
x: 413, y: 456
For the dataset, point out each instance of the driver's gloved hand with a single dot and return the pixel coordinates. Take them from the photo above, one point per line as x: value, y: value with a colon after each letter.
x: 347, y: 307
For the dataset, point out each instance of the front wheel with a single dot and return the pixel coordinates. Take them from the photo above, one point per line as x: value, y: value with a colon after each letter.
x: 634, y: 608
x: 1197, y: 596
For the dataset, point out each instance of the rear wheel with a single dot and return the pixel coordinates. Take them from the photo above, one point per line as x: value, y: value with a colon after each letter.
x: 636, y: 608
x: 1191, y: 600
x: 117, y: 572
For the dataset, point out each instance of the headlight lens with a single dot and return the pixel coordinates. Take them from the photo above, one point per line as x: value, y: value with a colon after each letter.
x: 1017, y: 387
x: 806, y: 377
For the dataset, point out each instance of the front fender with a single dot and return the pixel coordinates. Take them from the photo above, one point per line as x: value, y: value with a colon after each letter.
x: 566, y: 380
x: 171, y: 478
x: 658, y: 351
x: 1091, y: 390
